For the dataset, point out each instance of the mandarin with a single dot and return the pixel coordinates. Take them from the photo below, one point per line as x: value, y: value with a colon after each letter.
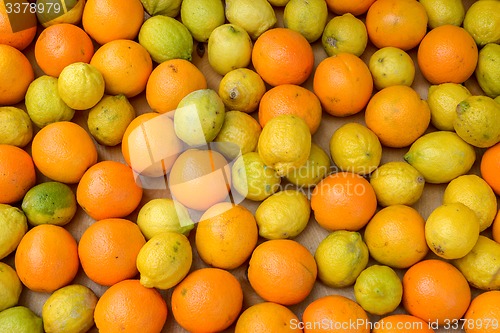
x: 483, y: 314
x: 17, y: 173
x: 401, y: 323
x: 490, y: 167
x: 267, y: 317
x: 16, y: 73
x: 355, y: 7
x: 12, y: 35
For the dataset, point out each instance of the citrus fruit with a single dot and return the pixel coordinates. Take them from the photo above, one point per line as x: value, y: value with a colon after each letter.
x: 169, y: 7
x: 267, y: 316
x: 16, y: 73
x: 20, y: 319
x: 482, y: 21
x: 15, y: 34
x: 11, y: 287
x: 16, y: 128
x: 357, y: 7
x: 241, y: 89
x: 442, y: 12
x: 443, y: 100
x: 482, y: 314
x: 71, y: 12
x: 313, y: 171
x: 487, y: 73
x: 202, y: 17
x: 344, y: 33
x: 13, y: 226
x: 489, y: 167
x: 255, y: 16
x: 399, y: 323
x: 495, y: 230
x: 278, y: 3
x: 17, y: 173
x: 306, y: 17
x: 391, y: 66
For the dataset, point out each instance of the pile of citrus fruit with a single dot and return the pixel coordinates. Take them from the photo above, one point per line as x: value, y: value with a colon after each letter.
x: 249, y: 166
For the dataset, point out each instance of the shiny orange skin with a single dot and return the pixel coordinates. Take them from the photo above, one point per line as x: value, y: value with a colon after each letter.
x: 483, y: 314
x: 355, y: 7
x: 16, y: 73
x: 490, y: 167
x: 267, y: 317
x: 401, y: 323
x: 19, y: 39
x: 17, y: 173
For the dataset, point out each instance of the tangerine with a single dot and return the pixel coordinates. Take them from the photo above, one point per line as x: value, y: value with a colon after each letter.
x: 490, y: 166
x: 10, y: 35
x: 16, y: 73
x: 17, y: 173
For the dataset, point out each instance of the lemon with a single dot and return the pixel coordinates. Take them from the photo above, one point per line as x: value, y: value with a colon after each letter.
x: 13, y: 226
x: 481, y: 266
x: 478, y: 121
x: 355, y: 148
x: 15, y: 126
x: 255, y: 16
x: 345, y: 33
x: 482, y: 21
x: 10, y: 287
x: 284, y: 214
x: 49, y: 203
x: 341, y: 257
x: 285, y: 143
x: 443, y: 12
x: 397, y: 183
x: 391, y: 66
x: 475, y: 193
x: 163, y: 214
x: 108, y: 119
x: 241, y: 89
x: 69, y: 309
x: 239, y: 134
x: 316, y: 168
x: 166, y: 38
x: 164, y: 260
x: 487, y: 70
x: 201, y: 17
x: 378, y: 290
x: 308, y: 17
x: 162, y: 7
x: 451, y: 230
x: 80, y: 85
x: 278, y: 3
x: 443, y: 100
x: 441, y: 156
x: 68, y: 11
x: 20, y: 319
x: 229, y: 47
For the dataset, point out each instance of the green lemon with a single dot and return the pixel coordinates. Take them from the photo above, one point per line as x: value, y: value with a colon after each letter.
x: 443, y: 100
x: 162, y: 7
x: 442, y: 12
x: 482, y: 21
x: 255, y: 16
x: 308, y: 17
x: 80, y: 85
x: 10, y: 287
x: 166, y: 38
x: 241, y: 89
x: 20, y: 319
x: 164, y: 260
x: 161, y: 215
x: 488, y: 71
x: 108, y: 119
x: 391, y: 66
x: 284, y: 214
x: 50, y: 12
x: 378, y: 290
x: 345, y: 33
x: 15, y: 126
x: 69, y: 309
x: 201, y: 17
x: 13, y: 226
x: 316, y: 168
x: 341, y: 256
x: 49, y: 203
x: 441, y: 156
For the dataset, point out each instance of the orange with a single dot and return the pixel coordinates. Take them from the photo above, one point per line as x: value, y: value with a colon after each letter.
x: 343, y: 84
x: 63, y: 151
x: 282, y: 55
x: 108, y: 250
x: 401, y: 323
x: 16, y: 73
x: 107, y: 20
x: 435, y: 291
x: 129, y: 307
x: 356, y: 7
x: 490, y: 166
x: 108, y: 189
x: 335, y: 313
x: 343, y: 201
x: 267, y: 317
x: 397, y: 115
x: 291, y: 99
x: 17, y: 173
x: 282, y: 271
x: 61, y: 45
x: 149, y: 144
x: 226, y: 235
x: 207, y: 300
x: 495, y: 229
x: 125, y: 66
x: 200, y: 178
x: 483, y: 315
x: 396, y: 23
x: 18, y: 37
x: 395, y: 236
x: 170, y: 82
x: 447, y: 54
x: 46, y: 258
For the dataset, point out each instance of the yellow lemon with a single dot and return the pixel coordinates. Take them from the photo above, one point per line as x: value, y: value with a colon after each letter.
x: 241, y: 89
x: 13, y: 226
x: 255, y: 16
x: 316, y: 168
x: 201, y: 17
x: 10, y: 287
x: 487, y: 71
x: 443, y: 100
x: 482, y: 21
x: 169, y: 8
x: 391, y: 66
x: 15, y: 126
x: 442, y: 12
x: 345, y: 33
x: 20, y: 319
x: 80, y: 86
x: 308, y: 17
x: 49, y: 12
x: 278, y: 3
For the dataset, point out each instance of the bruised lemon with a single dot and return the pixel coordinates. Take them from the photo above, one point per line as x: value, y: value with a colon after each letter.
x: 241, y: 90
x: 345, y: 33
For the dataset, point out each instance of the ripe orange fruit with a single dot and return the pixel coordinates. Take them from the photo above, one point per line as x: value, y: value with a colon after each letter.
x: 125, y: 66
x: 282, y: 271
x: 46, y: 258
x: 447, y: 54
x: 170, y: 82
x: 397, y: 115
x: 401, y: 323
x: 63, y: 151
x: 490, y: 166
x: 435, y: 291
x: 343, y: 200
x: 109, y: 189
x: 267, y: 317
x: 291, y: 99
x: 483, y: 315
x: 356, y: 7
x: 207, y: 300
x: 282, y: 55
x: 343, y: 84
x: 108, y: 250
x: 15, y: 36
x: 61, y: 45
x: 17, y: 173
x: 495, y: 230
x: 396, y: 23
x: 107, y: 20
x: 335, y: 312
x: 129, y: 307
x: 16, y: 73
